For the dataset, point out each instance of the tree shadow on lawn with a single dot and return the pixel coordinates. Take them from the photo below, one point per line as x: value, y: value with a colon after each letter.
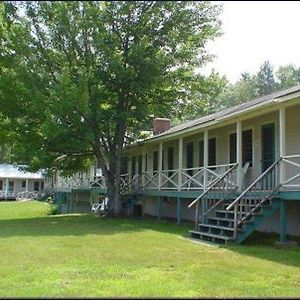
x: 83, y: 224
x: 258, y: 245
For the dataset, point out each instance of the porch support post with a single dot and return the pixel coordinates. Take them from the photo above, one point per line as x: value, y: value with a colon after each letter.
x: 180, y: 162
x: 205, y: 178
x: 239, y: 158
x: 205, y: 159
x: 130, y: 174
x: 129, y: 166
x: 282, y: 142
x: 27, y: 182
x: 91, y: 197
x: 6, y: 188
x: 143, y: 168
x: 282, y: 221
x: 158, y: 208
x: 178, y: 211
x: 76, y: 201
x: 160, y: 166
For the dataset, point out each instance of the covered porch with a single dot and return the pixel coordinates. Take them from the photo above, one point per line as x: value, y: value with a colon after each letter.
x: 241, y: 151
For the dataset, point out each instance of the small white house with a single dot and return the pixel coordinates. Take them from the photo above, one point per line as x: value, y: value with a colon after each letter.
x: 17, y: 184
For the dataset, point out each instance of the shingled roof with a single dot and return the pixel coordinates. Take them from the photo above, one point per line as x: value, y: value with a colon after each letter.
x: 227, y: 113
x: 12, y: 171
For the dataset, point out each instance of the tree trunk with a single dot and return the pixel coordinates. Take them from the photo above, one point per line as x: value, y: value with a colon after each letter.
x: 117, y: 177
x: 113, y: 180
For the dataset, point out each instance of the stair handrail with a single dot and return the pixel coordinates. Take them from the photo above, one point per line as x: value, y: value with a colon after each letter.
x: 214, y: 183
x: 253, y: 184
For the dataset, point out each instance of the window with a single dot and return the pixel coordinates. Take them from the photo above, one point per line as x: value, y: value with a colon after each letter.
x: 42, y: 185
x: 212, y: 147
x: 11, y: 186
x: 155, y: 161
x: 232, y: 148
x: 211, y: 152
x: 170, y: 161
x: 190, y: 157
x: 132, y: 166
x: 247, y: 150
x: 23, y: 183
x: 170, y: 158
x: 140, y: 164
x: 146, y: 162
x: 124, y: 163
x: 1, y: 184
x: 247, y: 146
x: 36, y: 185
x: 201, y: 153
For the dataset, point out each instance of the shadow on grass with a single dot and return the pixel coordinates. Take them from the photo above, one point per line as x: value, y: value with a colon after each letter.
x: 258, y: 245
x: 83, y: 224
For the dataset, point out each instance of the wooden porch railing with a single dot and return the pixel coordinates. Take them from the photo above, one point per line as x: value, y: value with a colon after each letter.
x: 256, y: 194
x: 291, y: 166
x: 83, y: 182
x: 191, y: 178
x: 218, y: 189
x: 28, y: 195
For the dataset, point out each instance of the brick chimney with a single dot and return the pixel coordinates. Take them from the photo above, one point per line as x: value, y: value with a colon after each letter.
x: 160, y: 125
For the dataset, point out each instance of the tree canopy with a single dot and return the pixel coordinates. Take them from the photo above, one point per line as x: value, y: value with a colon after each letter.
x: 216, y: 93
x: 80, y: 79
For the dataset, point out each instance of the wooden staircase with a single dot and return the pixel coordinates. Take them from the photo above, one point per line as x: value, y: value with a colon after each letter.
x: 228, y: 219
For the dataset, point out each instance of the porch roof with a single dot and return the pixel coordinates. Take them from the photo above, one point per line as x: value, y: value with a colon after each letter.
x: 228, y: 113
x: 12, y: 171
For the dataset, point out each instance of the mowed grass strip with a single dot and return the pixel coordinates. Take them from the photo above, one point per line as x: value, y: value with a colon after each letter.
x: 85, y: 255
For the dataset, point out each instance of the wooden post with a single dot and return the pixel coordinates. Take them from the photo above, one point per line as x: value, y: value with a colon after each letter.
x: 129, y: 167
x: 282, y: 143
x: 178, y: 211
x: 160, y: 166
x: 27, y: 182
x: 235, y: 222
x: 6, y: 188
x: 180, y: 162
x: 91, y: 197
x: 239, y: 158
x: 158, y: 208
x: 197, y: 214
x: 205, y: 179
x: 282, y: 221
x: 143, y: 168
x: 205, y: 159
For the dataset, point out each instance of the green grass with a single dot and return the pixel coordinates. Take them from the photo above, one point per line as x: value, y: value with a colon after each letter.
x: 84, y: 255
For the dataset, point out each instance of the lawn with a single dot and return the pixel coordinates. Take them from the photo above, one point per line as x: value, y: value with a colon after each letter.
x: 84, y: 255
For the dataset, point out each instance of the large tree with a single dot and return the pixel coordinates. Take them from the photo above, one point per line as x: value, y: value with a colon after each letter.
x: 80, y: 79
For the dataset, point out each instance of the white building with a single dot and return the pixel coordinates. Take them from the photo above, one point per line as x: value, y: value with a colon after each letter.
x: 16, y: 184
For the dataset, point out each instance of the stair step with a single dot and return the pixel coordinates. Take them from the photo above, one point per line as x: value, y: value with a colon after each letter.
x: 216, y: 227
x: 231, y: 213
x: 225, y: 211
x: 216, y: 236
x: 246, y: 205
x: 220, y: 219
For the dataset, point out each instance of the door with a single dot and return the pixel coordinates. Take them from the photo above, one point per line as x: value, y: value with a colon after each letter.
x: 190, y: 158
x: 170, y: 164
x: 268, y: 154
x: 268, y: 146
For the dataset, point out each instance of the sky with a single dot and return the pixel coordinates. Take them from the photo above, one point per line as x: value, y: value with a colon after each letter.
x: 253, y: 32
